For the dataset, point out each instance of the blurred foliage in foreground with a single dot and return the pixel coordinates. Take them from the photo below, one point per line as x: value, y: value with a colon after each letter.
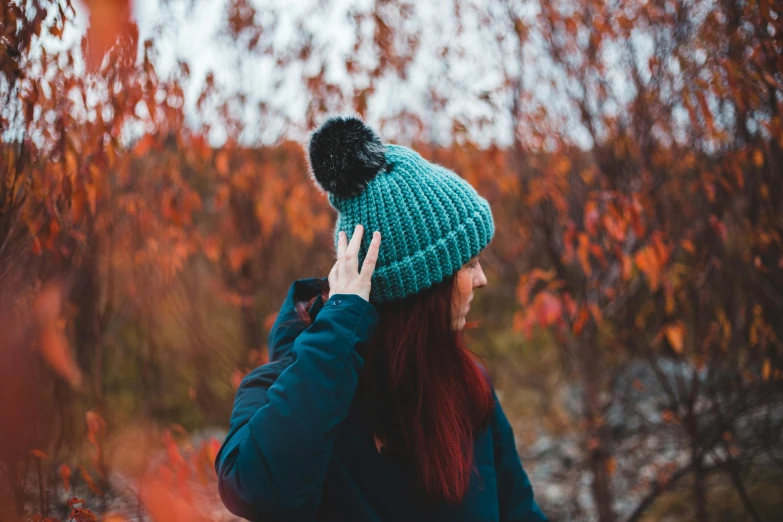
x: 636, y: 286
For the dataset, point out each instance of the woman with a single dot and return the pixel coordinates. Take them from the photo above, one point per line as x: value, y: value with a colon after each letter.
x: 371, y: 408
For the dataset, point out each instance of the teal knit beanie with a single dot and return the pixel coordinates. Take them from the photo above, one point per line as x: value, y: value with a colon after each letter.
x: 431, y: 221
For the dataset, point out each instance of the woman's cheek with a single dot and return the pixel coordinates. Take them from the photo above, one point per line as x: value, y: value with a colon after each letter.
x: 459, y: 323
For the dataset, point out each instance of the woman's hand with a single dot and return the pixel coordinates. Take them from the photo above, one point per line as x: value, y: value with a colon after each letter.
x: 345, y: 278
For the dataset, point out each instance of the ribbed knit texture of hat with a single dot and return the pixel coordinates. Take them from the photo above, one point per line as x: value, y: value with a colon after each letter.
x: 431, y: 222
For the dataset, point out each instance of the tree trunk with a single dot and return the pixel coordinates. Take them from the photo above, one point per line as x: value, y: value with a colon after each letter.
x: 597, y: 435
x: 700, y: 492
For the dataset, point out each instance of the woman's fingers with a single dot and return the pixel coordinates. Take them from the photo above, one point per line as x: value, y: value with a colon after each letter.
x: 352, y: 253
x: 342, y: 245
x: 332, y: 277
x: 345, y: 276
x: 371, y: 259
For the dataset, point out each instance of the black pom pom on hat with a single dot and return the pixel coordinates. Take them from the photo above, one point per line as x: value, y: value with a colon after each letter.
x: 345, y: 155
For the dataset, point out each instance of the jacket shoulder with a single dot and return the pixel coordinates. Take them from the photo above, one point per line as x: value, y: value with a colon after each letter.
x: 251, y: 393
x: 266, y: 374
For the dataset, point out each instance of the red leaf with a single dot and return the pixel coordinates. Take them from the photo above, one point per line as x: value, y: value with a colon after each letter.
x: 109, y: 21
x: 143, y: 145
x: 591, y: 218
x: 675, y: 334
x: 647, y: 261
x: 95, y: 424
x: 719, y: 227
x: 581, y: 321
x: 85, y: 515
x: 73, y: 501
x: 65, y: 475
x: 688, y: 246
x: 758, y: 158
x: 222, y: 164
x: 89, y: 481
x: 583, y: 251
x: 548, y: 309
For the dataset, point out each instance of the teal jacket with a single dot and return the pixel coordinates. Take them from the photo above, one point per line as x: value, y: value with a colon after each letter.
x: 296, y: 451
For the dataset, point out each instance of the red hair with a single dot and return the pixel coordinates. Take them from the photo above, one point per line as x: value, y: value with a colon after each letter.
x: 423, y: 392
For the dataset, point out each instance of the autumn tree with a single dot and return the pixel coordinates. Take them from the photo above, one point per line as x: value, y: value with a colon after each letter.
x: 653, y: 200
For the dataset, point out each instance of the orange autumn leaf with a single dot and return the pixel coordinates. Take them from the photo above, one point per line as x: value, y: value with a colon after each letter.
x: 562, y: 166
x: 542, y: 275
x: 688, y: 246
x: 211, y: 248
x: 92, y: 195
x: 95, y: 425
x: 668, y: 417
x: 110, y: 20
x: 581, y: 321
x: 523, y: 322
x: 719, y: 227
x: 73, y: 501
x: 615, y: 226
x: 221, y: 163
x: 548, y: 308
x: 88, y: 480
x: 662, y: 250
x: 591, y: 218
x: 65, y: 475
x: 595, y: 311
x: 627, y: 265
x: 571, y: 305
x: 598, y: 253
x: 143, y: 146
x: 758, y: 158
x: 647, y: 261
x: 237, y: 256
x: 583, y: 252
x: 766, y: 370
x: 528, y: 281
x: 611, y: 465
x: 84, y: 515
x: 675, y: 334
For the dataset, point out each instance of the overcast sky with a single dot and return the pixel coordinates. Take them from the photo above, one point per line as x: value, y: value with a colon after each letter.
x: 189, y: 30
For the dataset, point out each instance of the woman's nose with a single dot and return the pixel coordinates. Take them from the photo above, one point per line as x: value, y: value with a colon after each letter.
x: 480, y: 280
